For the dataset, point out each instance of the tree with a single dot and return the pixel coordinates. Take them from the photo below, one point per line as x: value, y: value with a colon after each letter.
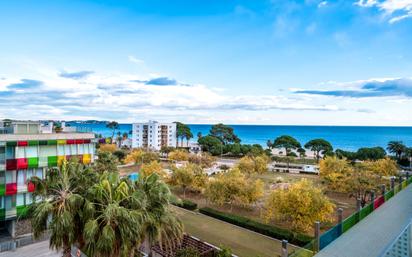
x: 113, y: 125
x: 183, y: 132
x: 152, y: 167
x: 189, y: 176
x: 370, y: 153
x: 301, y: 204
x: 357, y: 180
x: 110, y: 148
x: 106, y: 162
x: 319, y: 146
x: 62, y: 203
x: 125, y: 214
x: 397, y: 148
x: 287, y: 142
x: 163, y: 226
x: 250, y: 164
x: 211, y: 144
x: 232, y: 188
x: 179, y: 155
x: 139, y: 156
x: 205, y: 160
x: 302, y: 152
x: 345, y: 154
x: 224, y: 133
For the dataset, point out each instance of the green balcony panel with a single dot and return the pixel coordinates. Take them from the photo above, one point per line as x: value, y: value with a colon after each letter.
x: 2, y: 214
x: 43, y: 142
x: 22, y: 211
x: 52, y: 161
x: 33, y: 162
x: 51, y: 142
x: 33, y: 143
x: 11, y: 143
x: 2, y: 189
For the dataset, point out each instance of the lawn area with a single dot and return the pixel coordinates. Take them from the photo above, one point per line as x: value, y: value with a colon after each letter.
x: 244, y: 243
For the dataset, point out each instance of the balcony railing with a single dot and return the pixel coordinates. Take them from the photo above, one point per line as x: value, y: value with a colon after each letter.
x: 6, y: 130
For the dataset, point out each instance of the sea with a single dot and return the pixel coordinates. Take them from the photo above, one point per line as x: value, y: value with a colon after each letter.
x: 348, y: 138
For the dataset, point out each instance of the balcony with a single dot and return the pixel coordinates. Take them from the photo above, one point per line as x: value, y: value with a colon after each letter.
x: 385, y: 232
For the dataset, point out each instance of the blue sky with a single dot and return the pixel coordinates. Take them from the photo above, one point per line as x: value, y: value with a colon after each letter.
x: 240, y: 62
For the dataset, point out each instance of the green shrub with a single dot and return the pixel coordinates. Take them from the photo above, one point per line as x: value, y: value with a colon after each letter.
x: 186, y: 204
x: 265, y: 229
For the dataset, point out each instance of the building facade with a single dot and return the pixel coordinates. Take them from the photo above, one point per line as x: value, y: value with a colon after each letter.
x: 153, y: 135
x: 28, y: 149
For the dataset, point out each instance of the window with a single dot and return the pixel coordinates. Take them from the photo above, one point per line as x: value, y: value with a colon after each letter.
x: 31, y: 151
x: 20, y: 199
x: 10, y: 152
x: 29, y: 174
x: 1, y: 202
x: 81, y: 149
x: 48, y: 150
x: 10, y: 177
x: 20, y: 152
x: 29, y: 198
x: 67, y: 150
x: 39, y: 173
x: 21, y: 177
x: 33, y: 128
x: 60, y: 150
x: 73, y: 149
x: 8, y: 202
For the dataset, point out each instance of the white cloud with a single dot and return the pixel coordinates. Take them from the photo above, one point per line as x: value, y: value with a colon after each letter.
x: 135, y: 60
x: 394, y: 10
x: 322, y: 4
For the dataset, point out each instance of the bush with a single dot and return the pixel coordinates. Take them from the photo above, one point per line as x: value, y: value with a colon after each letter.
x: 265, y: 229
x: 186, y: 204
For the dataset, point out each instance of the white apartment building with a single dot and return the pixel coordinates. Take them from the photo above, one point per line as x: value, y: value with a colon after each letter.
x: 153, y: 135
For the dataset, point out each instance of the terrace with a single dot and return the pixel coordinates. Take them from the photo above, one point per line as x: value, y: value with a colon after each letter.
x: 385, y: 232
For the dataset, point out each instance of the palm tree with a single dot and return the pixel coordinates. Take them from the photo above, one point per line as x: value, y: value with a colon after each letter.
x: 119, y: 218
x: 188, y: 135
x: 62, y: 208
x: 162, y: 227
x: 127, y: 213
x: 397, y: 148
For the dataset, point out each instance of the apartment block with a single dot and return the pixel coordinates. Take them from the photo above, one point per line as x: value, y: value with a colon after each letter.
x: 29, y: 149
x: 153, y: 135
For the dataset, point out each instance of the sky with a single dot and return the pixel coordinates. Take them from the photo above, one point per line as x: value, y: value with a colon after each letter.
x: 308, y: 62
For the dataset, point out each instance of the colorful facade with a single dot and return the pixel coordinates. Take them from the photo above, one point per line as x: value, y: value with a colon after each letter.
x: 25, y: 154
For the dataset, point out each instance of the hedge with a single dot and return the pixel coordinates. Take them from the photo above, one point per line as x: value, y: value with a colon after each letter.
x: 186, y: 204
x: 265, y: 229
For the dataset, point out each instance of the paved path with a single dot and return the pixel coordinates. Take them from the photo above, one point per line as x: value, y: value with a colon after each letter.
x: 371, y: 236
x: 40, y: 249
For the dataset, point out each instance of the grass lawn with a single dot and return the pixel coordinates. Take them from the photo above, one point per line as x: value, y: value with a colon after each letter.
x: 244, y: 243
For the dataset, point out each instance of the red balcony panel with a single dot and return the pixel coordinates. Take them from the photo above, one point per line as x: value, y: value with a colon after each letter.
x: 79, y: 141
x: 87, y: 141
x: 22, y: 143
x: 11, y: 164
x: 70, y: 141
x: 22, y: 163
x: 30, y: 187
x: 11, y: 189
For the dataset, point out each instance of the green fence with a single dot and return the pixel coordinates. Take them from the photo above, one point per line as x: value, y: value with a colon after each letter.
x: 330, y: 235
